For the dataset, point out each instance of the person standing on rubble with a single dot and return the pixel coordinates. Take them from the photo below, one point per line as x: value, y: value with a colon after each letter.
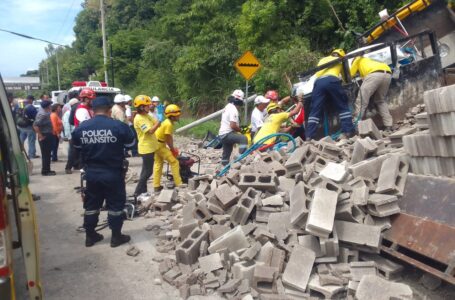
x: 145, y: 126
x: 328, y: 87
x: 102, y: 141
x: 170, y: 153
x: 229, y: 132
x: 258, y: 114
x: 376, y: 77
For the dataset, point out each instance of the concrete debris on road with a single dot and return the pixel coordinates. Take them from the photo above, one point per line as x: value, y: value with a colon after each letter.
x: 285, y: 226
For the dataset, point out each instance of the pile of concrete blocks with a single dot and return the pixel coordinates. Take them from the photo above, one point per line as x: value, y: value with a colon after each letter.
x: 433, y: 151
x: 288, y: 225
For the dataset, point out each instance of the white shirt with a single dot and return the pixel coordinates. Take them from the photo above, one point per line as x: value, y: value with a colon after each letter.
x: 230, y: 114
x: 257, y: 119
x: 128, y: 113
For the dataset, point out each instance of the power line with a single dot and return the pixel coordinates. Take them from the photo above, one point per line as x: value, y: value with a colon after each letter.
x: 30, y: 37
x: 65, y: 19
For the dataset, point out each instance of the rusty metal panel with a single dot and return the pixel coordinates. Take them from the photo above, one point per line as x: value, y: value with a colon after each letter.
x: 430, y: 197
x: 424, y: 236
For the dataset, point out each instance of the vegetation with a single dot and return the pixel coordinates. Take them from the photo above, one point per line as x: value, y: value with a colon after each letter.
x: 184, y: 50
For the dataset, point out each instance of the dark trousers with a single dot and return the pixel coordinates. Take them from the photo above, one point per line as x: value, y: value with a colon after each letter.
x: 134, y: 148
x: 73, y: 157
x: 54, y: 151
x: 103, y: 185
x: 228, y: 141
x: 46, y: 147
x: 328, y: 89
x: 147, y: 170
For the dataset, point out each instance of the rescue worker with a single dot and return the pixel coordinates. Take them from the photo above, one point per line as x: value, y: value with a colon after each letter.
x: 276, y: 117
x: 376, y: 77
x: 230, y: 127
x: 169, y: 153
x: 119, y: 108
x: 298, y: 121
x: 44, y: 131
x: 273, y: 96
x: 145, y: 127
x: 101, y: 141
x: 84, y: 109
x: 327, y: 87
x: 258, y: 114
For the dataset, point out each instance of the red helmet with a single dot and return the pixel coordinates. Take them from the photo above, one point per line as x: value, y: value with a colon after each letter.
x: 87, y: 93
x: 272, y: 95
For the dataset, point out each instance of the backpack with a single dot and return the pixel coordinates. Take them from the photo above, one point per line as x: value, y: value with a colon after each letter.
x: 72, y: 113
x: 21, y: 118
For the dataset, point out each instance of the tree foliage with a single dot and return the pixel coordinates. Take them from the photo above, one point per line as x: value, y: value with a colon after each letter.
x: 184, y: 50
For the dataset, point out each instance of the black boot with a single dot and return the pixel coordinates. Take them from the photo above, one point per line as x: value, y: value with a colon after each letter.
x: 119, y: 239
x: 92, y: 237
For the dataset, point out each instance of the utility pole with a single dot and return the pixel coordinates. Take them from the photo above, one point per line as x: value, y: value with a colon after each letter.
x: 47, y: 70
x: 58, y: 69
x: 103, y: 32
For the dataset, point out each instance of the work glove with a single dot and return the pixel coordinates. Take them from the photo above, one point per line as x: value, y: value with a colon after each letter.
x: 175, y: 152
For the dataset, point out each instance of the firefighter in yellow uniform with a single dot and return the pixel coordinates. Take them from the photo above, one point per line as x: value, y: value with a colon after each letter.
x: 163, y: 153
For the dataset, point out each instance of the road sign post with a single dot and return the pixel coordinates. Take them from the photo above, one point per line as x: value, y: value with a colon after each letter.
x: 247, y: 65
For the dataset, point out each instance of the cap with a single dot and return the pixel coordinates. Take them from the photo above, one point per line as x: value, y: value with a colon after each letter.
x: 261, y: 99
x: 101, y: 102
x: 45, y: 103
x: 155, y: 99
x: 127, y: 98
x: 238, y: 94
x: 119, y: 98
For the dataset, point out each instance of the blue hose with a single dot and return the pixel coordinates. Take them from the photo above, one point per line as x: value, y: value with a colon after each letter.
x: 256, y: 146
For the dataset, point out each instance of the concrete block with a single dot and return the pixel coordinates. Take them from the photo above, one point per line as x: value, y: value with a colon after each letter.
x: 298, y: 270
x: 251, y: 252
x: 298, y: 159
x: 263, y: 182
x: 348, y: 255
x: 277, y: 168
x: 188, y: 251
x: 329, y: 291
x: 374, y: 287
x: 359, y: 195
x: 330, y: 245
x: 369, y: 168
x: 396, y: 138
x: 442, y: 124
x: 381, y: 205
x: 193, y: 183
x: 172, y: 274
x: 322, y: 213
x: 215, y: 206
x: 320, y: 163
x: 387, y: 268
x: 244, y: 270
x: 327, y: 184
x: 330, y: 150
x: 187, y: 228
x: 227, y: 196
x: 210, y: 262
x: 230, y: 286
x: 217, y: 230
x: 232, y: 240
x: 362, y: 268
x: 311, y: 242
x: 244, y: 206
x: 368, y: 128
x: 264, y: 279
x: 424, y: 144
x: 286, y: 184
x: 437, y: 166
x: 202, y: 213
x: 358, y: 234
x: 275, y: 200
x: 278, y: 224
x: 203, y: 187
x: 363, y: 148
x: 299, y: 208
x: 392, y: 178
x: 335, y: 172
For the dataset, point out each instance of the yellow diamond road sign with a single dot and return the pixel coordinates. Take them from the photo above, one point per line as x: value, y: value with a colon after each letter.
x: 247, y: 65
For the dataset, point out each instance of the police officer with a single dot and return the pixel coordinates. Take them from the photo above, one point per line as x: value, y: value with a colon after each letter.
x: 101, y: 141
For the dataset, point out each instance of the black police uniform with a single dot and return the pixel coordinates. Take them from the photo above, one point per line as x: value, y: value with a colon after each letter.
x: 102, y: 141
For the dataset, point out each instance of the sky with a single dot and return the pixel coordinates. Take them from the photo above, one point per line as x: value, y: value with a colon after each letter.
x: 51, y: 20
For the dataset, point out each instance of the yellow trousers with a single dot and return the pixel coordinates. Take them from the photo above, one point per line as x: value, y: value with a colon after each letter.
x: 164, y: 154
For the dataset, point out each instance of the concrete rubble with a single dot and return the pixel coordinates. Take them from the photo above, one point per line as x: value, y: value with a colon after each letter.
x: 295, y: 225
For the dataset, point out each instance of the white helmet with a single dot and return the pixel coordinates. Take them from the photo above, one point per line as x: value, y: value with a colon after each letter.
x: 119, y: 98
x: 260, y: 99
x: 155, y: 99
x: 238, y: 94
x: 127, y: 98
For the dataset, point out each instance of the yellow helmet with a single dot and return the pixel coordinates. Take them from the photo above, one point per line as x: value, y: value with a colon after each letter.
x: 142, y: 100
x: 272, y: 106
x: 172, y: 110
x: 340, y: 52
